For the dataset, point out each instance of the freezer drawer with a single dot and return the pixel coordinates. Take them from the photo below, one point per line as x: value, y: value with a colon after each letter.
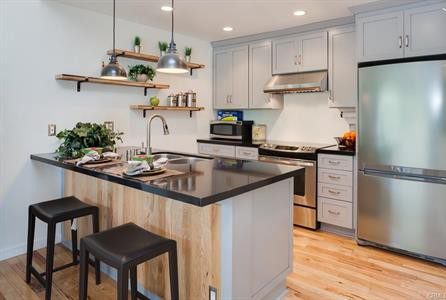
x: 403, y: 214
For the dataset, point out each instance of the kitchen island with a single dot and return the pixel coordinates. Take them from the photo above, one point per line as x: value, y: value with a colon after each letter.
x: 232, y: 221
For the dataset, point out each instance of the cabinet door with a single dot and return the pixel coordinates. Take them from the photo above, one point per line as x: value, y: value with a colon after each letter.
x: 259, y: 75
x: 285, y: 55
x: 239, y: 97
x: 380, y: 37
x: 424, y: 30
x: 342, y: 67
x: 313, y: 52
x: 222, y: 78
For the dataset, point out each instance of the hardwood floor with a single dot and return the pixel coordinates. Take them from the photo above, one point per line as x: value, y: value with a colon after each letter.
x: 326, y: 266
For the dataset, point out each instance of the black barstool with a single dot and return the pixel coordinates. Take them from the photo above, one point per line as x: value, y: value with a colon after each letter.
x: 124, y: 247
x: 53, y: 212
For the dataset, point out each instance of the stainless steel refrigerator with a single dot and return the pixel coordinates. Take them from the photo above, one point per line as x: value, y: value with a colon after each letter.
x: 402, y: 156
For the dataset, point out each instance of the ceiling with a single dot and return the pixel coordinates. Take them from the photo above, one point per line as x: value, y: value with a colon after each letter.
x: 206, y: 18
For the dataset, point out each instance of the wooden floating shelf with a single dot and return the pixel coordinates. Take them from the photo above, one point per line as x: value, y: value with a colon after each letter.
x: 149, y: 57
x: 145, y: 108
x: 81, y: 79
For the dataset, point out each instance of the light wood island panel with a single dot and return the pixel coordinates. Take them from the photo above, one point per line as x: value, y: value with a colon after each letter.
x: 196, y: 230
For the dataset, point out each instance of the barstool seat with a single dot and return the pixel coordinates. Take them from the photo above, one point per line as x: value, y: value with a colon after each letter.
x: 53, y: 212
x: 124, y: 247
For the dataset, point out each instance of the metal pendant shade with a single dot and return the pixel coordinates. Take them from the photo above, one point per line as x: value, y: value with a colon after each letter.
x: 114, y: 70
x: 171, y: 62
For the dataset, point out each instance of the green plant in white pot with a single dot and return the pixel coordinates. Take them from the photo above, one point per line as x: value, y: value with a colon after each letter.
x: 188, y: 53
x: 163, y: 48
x: 141, y: 73
x: 137, y: 44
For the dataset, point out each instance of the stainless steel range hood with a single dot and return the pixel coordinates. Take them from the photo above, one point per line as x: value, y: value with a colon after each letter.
x: 297, y: 83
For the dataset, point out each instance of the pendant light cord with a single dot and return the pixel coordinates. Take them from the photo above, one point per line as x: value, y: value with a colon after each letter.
x: 171, y: 40
x: 114, y: 16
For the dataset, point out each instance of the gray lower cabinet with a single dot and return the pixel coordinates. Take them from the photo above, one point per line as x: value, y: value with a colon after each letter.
x: 414, y: 31
x: 342, y: 67
x: 231, y: 78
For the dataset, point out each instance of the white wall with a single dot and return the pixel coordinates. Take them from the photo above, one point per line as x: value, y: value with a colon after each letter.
x: 305, y: 117
x: 39, y: 39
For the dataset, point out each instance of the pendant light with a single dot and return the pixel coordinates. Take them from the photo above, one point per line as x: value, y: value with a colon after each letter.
x: 171, y: 62
x: 114, y: 70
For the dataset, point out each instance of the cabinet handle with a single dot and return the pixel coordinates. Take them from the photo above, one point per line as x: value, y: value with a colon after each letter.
x: 406, y: 40
x: 334, y: 162
x: 400, y: 41
x: 230, y: 98
x: 334, y: 192
x: 334, y: 177
x: 334, y: 213
x: 330, y: 97
x: 246, y: 153
x: 295, y: 60
x: 300, y: 59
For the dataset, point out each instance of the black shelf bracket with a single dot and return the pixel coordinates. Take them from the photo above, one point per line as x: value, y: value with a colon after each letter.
x: 144, y: 113
x: 78, y: 84
x: 190, y: 112
x: 145, y: 91
x: 191, y: 70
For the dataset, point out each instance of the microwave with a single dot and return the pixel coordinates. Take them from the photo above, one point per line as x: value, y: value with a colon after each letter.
x: 232, y: 130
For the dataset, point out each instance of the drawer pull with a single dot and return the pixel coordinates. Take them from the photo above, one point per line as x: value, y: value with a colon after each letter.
x: 334, y: 192
x: 334, y: 177
x: 246, y: 153
x: 334, y: 162
x: 334, y: 213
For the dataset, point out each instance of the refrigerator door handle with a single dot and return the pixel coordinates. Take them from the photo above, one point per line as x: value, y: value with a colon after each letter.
x: 402, y: 176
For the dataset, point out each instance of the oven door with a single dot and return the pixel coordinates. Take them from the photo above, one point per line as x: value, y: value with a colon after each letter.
x: 226, y: 130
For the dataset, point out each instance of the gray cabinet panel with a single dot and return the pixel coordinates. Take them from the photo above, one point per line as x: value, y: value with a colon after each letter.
x: 285, y: 55
x: 312, y: 52
x: 222, y: 78
x: 239, y: 96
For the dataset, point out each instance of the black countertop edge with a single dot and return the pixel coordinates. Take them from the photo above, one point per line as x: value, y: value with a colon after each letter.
x: 336, y: 151
x: 197, y: 201
x: 231, y: 142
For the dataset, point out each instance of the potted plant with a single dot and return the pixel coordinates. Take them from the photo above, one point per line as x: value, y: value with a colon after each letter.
x: 141, y: 73
x: 137, y: 44
x: 86, y: 135
x: 163, y: 48
x: 187, y: 53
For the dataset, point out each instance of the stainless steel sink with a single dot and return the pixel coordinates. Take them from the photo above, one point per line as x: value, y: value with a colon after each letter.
x: 169, y: 156
x: 185, y: 160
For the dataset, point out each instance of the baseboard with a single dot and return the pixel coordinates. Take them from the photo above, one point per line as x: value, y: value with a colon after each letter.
x: 21, y: 248
x: 111, y: 272
x: 338, y: 230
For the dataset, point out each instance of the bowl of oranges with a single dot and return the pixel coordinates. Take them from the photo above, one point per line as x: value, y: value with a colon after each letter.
x: 347, y: 141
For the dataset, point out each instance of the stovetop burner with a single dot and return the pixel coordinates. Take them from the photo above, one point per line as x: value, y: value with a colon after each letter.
x: 291, y: 150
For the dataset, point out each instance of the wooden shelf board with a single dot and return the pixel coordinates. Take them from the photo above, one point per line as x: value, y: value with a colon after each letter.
x: 148, y: 57
x: 149, y: 107
x: 79, y: 78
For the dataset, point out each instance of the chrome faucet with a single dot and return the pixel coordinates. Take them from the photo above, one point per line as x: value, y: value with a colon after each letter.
x: 149, y: 126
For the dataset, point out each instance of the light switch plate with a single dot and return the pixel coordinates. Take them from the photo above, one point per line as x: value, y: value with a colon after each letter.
x: 51, y: 129
x: 110, y: 125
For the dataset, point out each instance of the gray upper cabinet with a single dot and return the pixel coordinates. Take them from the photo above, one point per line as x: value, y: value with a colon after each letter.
x: 406, y: 33
x: 312, y: 55
x: 231, y: 78
x: 300, y: 53
x: 380, y: 37
x: 342, y: 67
x: 425, y: 30
x: 259, y: 75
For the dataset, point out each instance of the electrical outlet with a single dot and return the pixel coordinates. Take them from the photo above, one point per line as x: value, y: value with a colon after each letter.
x: 51, y: 129
x: 110, y: 125
x: 212, y: 293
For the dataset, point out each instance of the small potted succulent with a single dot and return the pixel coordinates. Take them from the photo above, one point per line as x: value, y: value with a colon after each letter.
x: 187, y: 53
x: 163, y: 48
x: 141, y: 73
x: 137, y: 44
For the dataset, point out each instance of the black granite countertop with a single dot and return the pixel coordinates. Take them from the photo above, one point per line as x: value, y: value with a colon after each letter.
x: 335, y: 150
x: 255, y: 144
x: 204, y: 182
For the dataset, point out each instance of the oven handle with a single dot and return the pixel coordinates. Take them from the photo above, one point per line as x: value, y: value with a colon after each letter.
x: 287, y: 161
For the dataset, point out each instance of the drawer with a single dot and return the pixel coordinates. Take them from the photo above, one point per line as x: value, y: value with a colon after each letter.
x: 304, y: 216
x: 216, y: 150
x: 335, y: 162
x: 247, y: 153
x: 339, y: 192
x: 335, y: 212
x: 335, y: 177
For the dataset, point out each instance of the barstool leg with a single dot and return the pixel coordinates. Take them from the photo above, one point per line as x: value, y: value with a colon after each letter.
x: 30, y: 244
x: 173, y: 273
x: 133, y: 282
x: 74, y: 243
x: 97, y: 264
x: 123, y: 283
x: 83, y: 274
x: 49, y: 259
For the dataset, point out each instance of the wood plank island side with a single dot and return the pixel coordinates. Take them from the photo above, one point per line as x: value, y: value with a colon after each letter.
x: 196, y: 230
